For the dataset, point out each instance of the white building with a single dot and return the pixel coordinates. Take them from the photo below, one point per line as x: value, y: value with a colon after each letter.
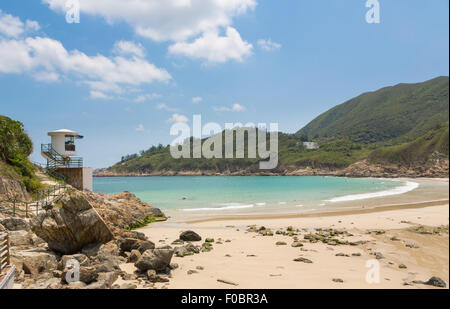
x: 311, y: 145
x: 62, y: 159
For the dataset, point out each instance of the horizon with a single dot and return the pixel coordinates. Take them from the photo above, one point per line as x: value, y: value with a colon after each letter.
x: 123, y: 87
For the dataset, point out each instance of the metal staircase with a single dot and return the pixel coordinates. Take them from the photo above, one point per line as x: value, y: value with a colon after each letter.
x: 56, y: 160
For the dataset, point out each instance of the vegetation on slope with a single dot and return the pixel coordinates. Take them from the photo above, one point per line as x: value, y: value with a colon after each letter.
x: 15, y: 148
x: 404, y: 124
x: 292, y: 154
x: 393, y: 114
x: 432, y: 145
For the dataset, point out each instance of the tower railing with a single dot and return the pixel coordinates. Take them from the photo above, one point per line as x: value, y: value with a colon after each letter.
x: 55, y: 160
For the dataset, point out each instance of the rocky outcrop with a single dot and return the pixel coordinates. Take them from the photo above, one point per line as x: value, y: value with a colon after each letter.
x: 12, y: 188
x: 121, y: 210
x: 71, y: 225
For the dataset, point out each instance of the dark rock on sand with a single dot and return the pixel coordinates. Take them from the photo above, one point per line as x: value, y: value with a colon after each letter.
x: 190, y: 236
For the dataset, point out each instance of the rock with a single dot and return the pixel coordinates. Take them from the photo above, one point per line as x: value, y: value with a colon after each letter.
x: 281, y: 243
x: 20, y: 238
x: 134, y: 256
x: 128, y: 244
x: 402, y: 266
x: 128, y: 286
x: 157, y: 259
x: 199, y: 268
x: 437, y: 282
x: 304, y: 260
x: 81, y: 258
x: 296, y: 244
x: 227, y: 282
x: 356, y: 254
x: 156, y: 212
x: 76, y: 285
x: 154, y: 277
x: 412, y: 246
x: 87, y: 274
x: 129, y: 277
x: 209, y: 240
x: 145, y: 245
x: 15, y: 224
x: 104, y: 281
x: 70, y: 226
x: 34, y: 261
x: 190, y: 236
x: 337, y: 280
x: 341, y: 254
x: 379, y: 256
x: 191, y: 271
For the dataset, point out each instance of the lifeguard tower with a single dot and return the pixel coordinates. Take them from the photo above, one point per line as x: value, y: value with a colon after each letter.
x: 62, y: 158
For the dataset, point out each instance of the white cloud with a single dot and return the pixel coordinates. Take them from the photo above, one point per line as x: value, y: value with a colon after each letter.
x: 46, y: 59
x: 197, y: 100
x: 169, y: 20
x: 13, y: 27
x: 164, y: 107
x: 98, y: 95
x: 101, y: 73
x: 129, y: 48
x: 215, y: 48
x: 147, y: 97
x: 140, y: 128
x: 177, y: 118
x: 235, y: 108
x: 269, y: 45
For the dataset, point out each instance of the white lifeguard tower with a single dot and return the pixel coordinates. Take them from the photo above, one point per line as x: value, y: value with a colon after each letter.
x: 62, y: 159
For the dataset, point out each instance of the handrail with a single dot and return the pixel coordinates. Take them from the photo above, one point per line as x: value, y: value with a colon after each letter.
x: 56, y: 160
x: 5, y: 258
x: 46, y: 198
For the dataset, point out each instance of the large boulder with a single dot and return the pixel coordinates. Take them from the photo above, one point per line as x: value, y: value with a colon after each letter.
x: 157, y: 259
x: 71, y: 225
x: 15, y: 224
x: 35, y: 261
x: 190, y: 236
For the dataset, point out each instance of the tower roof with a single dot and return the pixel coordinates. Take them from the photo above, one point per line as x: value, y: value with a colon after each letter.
x: 63, y: 132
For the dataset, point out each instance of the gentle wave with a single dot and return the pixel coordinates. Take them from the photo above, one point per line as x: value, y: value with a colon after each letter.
x: 409, y: 186
x: 221, y: 208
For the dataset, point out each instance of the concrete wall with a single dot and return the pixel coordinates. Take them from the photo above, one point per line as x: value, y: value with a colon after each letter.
x: 80, y: 178
x: 87, y: 178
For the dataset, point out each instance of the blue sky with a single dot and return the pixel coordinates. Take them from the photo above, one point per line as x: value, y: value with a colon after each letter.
x: 127, y: 70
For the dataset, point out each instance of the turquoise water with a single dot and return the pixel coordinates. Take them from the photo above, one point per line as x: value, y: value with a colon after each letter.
x: 222, y: 193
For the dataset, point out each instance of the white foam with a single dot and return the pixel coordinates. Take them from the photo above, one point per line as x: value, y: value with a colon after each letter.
x: 260, y: 204
x: 282, y: 203
x: 408, y: 186
x: 221, y: 208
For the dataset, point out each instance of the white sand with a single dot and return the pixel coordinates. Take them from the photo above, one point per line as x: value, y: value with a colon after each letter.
x: 273, y: 266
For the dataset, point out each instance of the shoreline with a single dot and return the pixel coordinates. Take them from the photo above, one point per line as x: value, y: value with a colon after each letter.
x: 319, y: 214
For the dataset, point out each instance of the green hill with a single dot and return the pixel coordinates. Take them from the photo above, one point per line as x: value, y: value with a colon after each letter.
x: 405, y: 124
x: 389, y: 115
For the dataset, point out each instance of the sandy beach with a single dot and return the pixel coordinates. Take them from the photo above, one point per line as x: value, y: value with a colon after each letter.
x: 407, y: 239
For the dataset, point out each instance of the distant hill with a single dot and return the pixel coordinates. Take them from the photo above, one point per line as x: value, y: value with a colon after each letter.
x: 390, y: 115
x: 406, y: 125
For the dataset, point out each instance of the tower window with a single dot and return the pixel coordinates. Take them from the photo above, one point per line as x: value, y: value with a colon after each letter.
x: 70, y: 143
